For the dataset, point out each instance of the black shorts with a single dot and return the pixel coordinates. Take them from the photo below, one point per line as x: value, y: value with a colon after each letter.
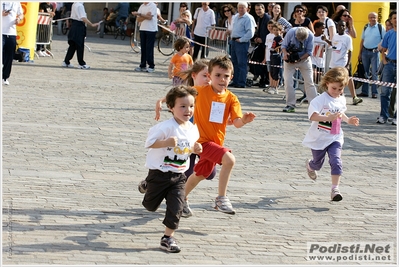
x: 169, y: 186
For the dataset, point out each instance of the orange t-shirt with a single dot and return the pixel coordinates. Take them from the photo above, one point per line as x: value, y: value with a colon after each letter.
x: 205, y: 102
x: 181, y: 63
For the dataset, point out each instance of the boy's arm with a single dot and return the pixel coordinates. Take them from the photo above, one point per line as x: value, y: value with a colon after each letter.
x: 246, y: 118
x: 169, y: 142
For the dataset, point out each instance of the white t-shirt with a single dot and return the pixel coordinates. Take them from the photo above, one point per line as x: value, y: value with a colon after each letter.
x: 8, y: 26
x: 330, y: 23
x: 318, y: 136
x: 174, y: 159
x: 149, y: 25
x: 203, y: 19
x: 78, y: 11
x: 340, y: 44
x: 268, y: 44
x: 319, y: 52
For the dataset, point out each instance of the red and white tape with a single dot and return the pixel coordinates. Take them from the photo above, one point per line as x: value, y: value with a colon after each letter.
x: 387, y: 84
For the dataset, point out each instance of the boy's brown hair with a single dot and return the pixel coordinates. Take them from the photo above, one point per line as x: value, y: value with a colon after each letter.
x: 223, y: 62
x: 178, y: 92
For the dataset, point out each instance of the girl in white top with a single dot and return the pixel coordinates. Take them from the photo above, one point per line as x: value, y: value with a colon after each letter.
x: 325, y: 135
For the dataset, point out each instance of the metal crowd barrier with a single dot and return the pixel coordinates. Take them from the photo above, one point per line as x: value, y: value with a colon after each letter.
x: 44, y: 31
x: 218, y: 39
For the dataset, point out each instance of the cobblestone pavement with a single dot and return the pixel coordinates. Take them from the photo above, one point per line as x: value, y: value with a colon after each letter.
x: 73, y: 154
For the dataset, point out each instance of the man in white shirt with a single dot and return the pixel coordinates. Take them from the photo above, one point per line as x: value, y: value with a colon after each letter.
x: 203, y: 18
x: 147, y: 15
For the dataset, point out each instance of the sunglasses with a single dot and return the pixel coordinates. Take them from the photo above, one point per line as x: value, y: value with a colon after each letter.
x: 227, y: 10
x: 299, y: 11
x: 345, y: 15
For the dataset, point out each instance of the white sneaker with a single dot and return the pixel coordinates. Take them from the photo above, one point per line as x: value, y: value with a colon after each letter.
x: 150, y: 70
x: 66, y: 65
x: 393, y: 120
x: 6, y: 82
x: 272, y: 90
x: 84, y: 67
x: 41, y: 53
x: 140, y: 69
x: 381, y: 120
x: 46, y: 54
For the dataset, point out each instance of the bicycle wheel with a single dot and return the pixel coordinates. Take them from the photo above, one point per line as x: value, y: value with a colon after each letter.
x: 165, y: 44
x: 134, y: 44
x: 116, y: 33
x: 64, y: 27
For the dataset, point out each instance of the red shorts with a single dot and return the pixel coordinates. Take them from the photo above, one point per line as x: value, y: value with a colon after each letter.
x: 211, y: 155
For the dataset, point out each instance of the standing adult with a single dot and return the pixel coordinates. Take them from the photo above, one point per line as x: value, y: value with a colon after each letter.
x: 228, y: 14
x: 123, y: 12
x: 298, y: 39
x: 77, y: 35
x: 389, y: 60
x: 299, y: 18
x: 12, y: 14
x: 259, y: 39
x: 147, y: 15
x: 241, y: 35
x: 203, y: 18
x: 277, y: 17
x: 372, y: 35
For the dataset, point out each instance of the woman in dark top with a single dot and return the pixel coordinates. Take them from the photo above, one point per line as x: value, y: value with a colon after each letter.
x: 299, y: 19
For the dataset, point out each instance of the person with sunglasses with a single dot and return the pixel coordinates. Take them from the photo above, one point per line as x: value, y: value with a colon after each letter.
x: 299, y: 19
x: 344, y: 15
x: 228, y: 14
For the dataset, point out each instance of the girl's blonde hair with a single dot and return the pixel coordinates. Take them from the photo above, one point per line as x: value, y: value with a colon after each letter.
x: 198, y: 66
x: 334, y: 75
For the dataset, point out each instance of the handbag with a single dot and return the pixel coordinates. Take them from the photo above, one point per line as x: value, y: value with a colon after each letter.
x: 359, y: 73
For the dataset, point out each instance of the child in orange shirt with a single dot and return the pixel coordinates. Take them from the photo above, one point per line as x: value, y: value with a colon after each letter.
x: 216, y: 107
x: 181, y: 61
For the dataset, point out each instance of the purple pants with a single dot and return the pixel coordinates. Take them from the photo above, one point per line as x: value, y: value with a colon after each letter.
x: 334, y: 153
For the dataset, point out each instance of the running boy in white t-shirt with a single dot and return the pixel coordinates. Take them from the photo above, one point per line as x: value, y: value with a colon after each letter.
x: 170, y: 144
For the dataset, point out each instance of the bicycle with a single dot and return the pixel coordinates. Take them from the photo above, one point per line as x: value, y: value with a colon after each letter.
x: 121, y: 30
x: 166, y: 42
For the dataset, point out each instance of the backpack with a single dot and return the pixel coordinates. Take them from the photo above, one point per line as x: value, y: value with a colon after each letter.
x: 379, y: 28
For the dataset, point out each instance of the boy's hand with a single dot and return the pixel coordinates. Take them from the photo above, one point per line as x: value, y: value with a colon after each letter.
x: 171, y: 141
x: 353, y: 120
x: 197, y: 149
x: 248, y: 117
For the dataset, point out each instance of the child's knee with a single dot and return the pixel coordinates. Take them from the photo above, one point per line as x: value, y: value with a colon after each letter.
x: 228, y: 159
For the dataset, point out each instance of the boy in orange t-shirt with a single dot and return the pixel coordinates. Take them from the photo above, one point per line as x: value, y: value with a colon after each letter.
x: 215, y: 107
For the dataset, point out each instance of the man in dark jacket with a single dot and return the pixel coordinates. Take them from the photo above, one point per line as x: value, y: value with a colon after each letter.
x: 259, y: 39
